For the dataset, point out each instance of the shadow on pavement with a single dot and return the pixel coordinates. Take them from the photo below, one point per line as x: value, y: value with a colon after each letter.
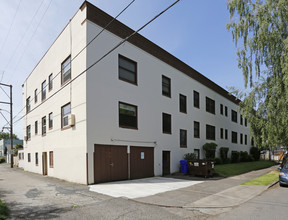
x: 4, y: 193
x: 18, y: 211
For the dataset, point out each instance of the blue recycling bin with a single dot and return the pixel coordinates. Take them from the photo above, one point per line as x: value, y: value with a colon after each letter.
x: 184, y: 166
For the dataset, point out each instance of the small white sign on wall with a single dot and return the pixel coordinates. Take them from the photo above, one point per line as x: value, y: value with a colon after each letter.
x: 142, y: 155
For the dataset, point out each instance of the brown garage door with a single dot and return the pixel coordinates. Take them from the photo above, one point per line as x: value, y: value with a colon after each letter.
x: 141, y: 162
x: 110, y: 163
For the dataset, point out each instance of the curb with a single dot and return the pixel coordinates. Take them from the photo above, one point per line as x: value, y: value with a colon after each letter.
x: 273, y: 184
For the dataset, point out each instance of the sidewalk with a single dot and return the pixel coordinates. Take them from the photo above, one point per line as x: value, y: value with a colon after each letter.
x: 221, y: 193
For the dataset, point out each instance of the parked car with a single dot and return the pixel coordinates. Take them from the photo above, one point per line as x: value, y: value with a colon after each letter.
x: 283, y: 175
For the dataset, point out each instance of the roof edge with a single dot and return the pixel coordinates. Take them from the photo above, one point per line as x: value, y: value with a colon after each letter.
x: 101, y: 18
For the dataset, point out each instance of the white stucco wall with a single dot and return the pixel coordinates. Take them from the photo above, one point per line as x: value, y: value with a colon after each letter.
x: 68, y: 146
x: 105, y: 90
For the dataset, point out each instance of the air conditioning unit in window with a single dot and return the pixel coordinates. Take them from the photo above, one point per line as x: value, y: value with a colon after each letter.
x: 71, y: 119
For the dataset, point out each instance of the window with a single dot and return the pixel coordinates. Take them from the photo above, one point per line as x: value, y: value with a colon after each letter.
x: 226, y: 111
x: 166, y: 86
x: 196, y: 129
x: 245, y: 122
x: 241, y: 138
x: 65, y: 112
x: 183, y: 138
x: 36, y: 159
x: 234, y: 137
x: 245, y: 139
x: 234, y: 116
x: 29, y: 157
x: 36, y: 127
x: 166, y: 123
x: 66, y: 70
x: 197, y: 153
x: 221, y: 133
x: 36, y: 95
x: 28, y: 106
x: 50, y: 85
x: 241, y: 120
x: 51, y: 120
x: 51, y: 160
x: 221, y: 109
x: 127, y: 116
x: 210, y: 132
x: 127, y: 70
x: 44, y: 125
x: 252, y: 141
x: 210, y: 105
x: 43, y: 90
x: 226, y: 134
x: 28, y: 132
x: 196, y: 99
x: 183, y: 104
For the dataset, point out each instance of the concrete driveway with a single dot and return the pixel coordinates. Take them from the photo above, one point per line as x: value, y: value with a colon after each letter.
x: 142, y: 187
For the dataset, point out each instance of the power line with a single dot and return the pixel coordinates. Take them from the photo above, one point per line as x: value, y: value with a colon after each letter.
x: 4, y: 117
x: 105, y: 55
x: 2, y: 76
x: 7, y: 35
x: 22, y: 38
x: 31, y: 38
x: 82, y: 50
x: 4, y: 91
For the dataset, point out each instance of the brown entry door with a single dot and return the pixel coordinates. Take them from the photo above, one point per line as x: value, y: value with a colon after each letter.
x: 166, y: 162
x: 141, y: 162
x: 110, y: 163
x: 44, y: 163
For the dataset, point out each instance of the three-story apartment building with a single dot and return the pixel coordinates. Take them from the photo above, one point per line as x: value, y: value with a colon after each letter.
x: 134, y: 114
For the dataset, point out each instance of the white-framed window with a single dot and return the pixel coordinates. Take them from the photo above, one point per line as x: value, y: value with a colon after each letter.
x: 65, y: 112
x: 43, y: 90
x: 66, y: 70
x: 44, y: 125
x: 50, y: 82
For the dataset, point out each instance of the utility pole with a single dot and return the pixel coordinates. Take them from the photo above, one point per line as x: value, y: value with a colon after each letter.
x: 11, y: 127
x: 11, y: 120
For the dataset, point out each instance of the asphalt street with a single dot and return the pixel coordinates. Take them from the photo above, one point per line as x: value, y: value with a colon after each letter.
x: 32, y: 196
x: 271, y: 204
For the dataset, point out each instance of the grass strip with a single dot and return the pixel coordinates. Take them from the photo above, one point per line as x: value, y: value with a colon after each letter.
x: 264, y: 180
x: 233, y: 169
x: 4, y: 211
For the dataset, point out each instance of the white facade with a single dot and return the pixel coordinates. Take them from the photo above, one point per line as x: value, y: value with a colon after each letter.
x: 95, y: 97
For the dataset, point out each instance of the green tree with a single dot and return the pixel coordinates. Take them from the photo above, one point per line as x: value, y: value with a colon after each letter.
x: 6, y: 135
x: 17, y: 147
x: 261, y: 29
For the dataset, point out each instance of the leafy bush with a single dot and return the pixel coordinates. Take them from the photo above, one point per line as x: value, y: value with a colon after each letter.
x: 2, y: 159
x: 210, y: 149
x: 190, y: 156
x: 243, y: 156
x: 235, y: 157
x: 255, y: 152
x: 218, y: 160
x: 224, y: 153
x: 4, y: 211
x: 227, y: 160
x: 250, y: 158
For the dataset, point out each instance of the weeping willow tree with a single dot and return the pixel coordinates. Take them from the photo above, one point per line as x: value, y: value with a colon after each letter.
x: 259, y: 30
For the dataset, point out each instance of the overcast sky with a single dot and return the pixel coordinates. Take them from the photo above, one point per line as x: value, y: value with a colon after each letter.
x: 193, y: 31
